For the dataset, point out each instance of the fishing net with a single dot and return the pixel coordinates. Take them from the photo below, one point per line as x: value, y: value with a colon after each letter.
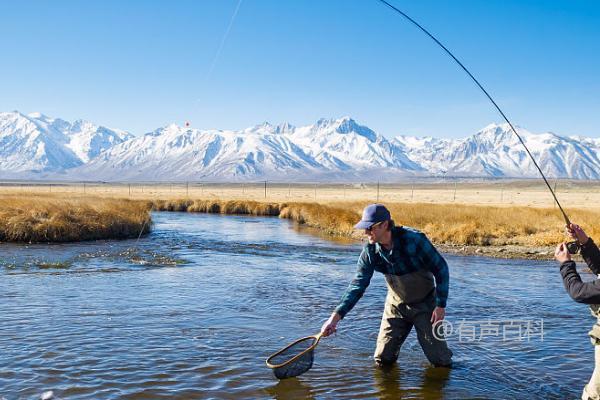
x: 295, y: 359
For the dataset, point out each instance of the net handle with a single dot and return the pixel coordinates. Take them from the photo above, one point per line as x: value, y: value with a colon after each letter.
x: 317, y: 338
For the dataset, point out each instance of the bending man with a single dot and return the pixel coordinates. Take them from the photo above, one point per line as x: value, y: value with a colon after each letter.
x: 410, y: 265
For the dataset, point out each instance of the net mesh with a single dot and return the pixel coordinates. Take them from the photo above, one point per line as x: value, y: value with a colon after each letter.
x: 287, y: 368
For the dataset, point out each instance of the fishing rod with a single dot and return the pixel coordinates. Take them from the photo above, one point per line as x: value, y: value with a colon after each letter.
x: 567, y: 221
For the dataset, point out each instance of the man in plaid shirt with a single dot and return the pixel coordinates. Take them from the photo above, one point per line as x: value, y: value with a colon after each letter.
x: 417, y: 278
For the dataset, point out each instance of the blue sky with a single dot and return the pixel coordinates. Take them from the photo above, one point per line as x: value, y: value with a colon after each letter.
x: 138, y: 65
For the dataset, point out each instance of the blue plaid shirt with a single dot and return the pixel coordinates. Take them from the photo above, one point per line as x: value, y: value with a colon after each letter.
x: 411, y: 251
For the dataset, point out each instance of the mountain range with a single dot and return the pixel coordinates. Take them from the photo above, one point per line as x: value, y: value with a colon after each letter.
x: 35, y: 146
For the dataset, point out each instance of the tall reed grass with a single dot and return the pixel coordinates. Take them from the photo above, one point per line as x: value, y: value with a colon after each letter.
x: 488, y: 225
x: 54, y: 219
x: 451, y: 224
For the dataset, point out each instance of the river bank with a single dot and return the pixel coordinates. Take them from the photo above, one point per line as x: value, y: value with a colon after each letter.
x: 504, y: 232
x: 35, y: 219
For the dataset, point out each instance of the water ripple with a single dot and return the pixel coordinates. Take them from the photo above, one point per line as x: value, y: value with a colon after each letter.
x: 193, y: 310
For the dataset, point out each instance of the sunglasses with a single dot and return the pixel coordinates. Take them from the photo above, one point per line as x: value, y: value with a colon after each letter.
x: 373, y: 226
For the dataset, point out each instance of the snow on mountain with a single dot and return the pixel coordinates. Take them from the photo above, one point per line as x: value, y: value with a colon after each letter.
x: 31, y: 144
x: 495, y: 151
x: 340, y: 149
x: 328, y: 148
x: 175, y: 153
x: 37, y: 143
x: 88, y: 140
x: 344, y: 144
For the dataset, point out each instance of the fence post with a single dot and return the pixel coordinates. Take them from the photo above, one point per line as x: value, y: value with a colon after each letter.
x: 377, y: 192
x: 187, y: 188
x: 265, y: 189
x: 455, y: 184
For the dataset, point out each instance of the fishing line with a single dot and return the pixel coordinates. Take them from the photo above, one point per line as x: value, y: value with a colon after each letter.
x: 568, y: 222
x: 223, y: 40
x: 219, y: 50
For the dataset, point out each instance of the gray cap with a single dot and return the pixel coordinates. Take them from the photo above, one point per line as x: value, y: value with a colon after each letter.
x: 372, y: 214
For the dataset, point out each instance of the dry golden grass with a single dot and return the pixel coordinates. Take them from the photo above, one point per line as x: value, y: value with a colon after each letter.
x: 443, y: 223
x: 54, y: 219
x: 217, y: 206
x: 331, y: 220
x: 486, y: 225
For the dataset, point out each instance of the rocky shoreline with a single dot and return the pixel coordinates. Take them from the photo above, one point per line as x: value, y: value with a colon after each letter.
x: 544, y: 253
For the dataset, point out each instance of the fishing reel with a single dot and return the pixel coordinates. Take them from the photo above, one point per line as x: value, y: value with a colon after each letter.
x: 573, y: 247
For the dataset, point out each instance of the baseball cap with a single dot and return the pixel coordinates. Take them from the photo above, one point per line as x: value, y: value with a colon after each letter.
x: 372, y: 214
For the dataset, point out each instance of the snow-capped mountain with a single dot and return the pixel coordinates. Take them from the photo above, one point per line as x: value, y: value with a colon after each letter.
x: 328, y: 148
x: 495, y: 151
x: 36, y: 146
x: 344, y: 144
x: 35, y: 143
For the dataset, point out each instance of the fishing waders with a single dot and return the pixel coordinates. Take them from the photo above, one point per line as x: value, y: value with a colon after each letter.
x: 398, y: 319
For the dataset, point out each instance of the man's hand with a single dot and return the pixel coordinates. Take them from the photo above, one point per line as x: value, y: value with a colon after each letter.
x: 438, y: 315
x: 561, y: 253
x: 577, y: 233
x: 330, y: 326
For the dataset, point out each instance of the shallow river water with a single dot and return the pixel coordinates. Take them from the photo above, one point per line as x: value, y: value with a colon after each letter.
x: 193, y: 310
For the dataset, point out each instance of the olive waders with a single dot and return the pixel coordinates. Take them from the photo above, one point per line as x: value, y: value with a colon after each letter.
x: 410, y: 301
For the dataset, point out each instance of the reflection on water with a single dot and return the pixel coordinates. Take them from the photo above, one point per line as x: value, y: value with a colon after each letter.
x: 433, y: 381
x: 194, y: 309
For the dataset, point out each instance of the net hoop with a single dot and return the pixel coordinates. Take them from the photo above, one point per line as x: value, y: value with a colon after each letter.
x: 297, y: 356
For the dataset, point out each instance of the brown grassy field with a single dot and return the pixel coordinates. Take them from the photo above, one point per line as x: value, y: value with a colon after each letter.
x: 501, y: 193
x: 59, y: 219
x: 450, y: 214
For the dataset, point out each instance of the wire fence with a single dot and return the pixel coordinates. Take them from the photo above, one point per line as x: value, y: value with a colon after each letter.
x: 580, y: 194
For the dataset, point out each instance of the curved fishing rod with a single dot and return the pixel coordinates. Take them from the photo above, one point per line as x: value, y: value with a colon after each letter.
x: 568, y: 222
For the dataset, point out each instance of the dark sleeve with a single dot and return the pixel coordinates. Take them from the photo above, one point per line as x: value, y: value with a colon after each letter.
x: 591, y: 255
x: 434, y: 261
x: 581, y: 292
x: 358, y: 285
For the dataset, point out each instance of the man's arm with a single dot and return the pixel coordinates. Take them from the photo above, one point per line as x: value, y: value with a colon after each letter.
x: 354, y: 292
x: 591, y: 255
x: 357, y: 287
x: 434, y: 261
x: 581, y: 292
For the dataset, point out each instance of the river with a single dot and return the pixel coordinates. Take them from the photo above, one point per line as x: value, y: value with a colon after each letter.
x: 193, y: 310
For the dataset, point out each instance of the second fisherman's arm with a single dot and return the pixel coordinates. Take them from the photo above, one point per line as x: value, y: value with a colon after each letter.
x: 581, y: 292
x: 591, y: 255
x: 434, y: 261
